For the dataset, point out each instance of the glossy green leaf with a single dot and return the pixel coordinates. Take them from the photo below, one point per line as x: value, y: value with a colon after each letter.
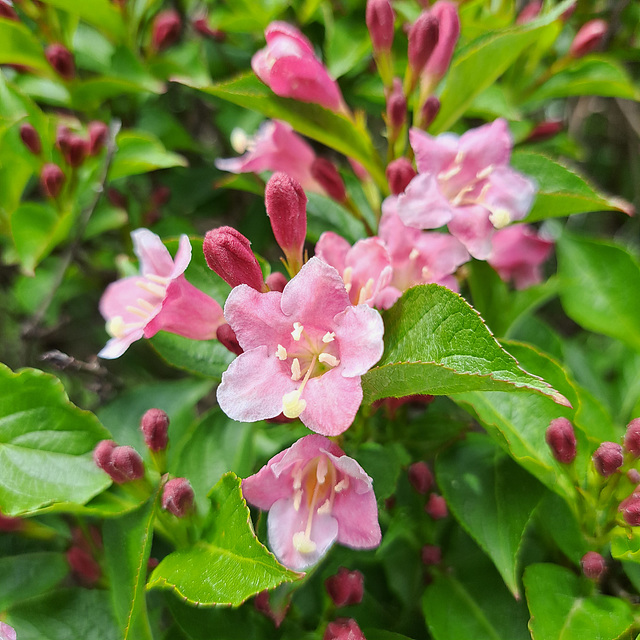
x: 564, y: 607
x: 324, y: 214
x: 45, y: 445
x: 625, y: 544
x: 435, y: 343
x: 599, y: 282
x: 100, y: 13
x: 383, y: 464
x: 561, y: 190
x: 18, y: 45
x: 229, y: 564
x: 492, y: 497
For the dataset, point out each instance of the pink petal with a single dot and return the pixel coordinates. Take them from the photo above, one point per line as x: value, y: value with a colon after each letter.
x: 302, y: 451
x: 423, y: 205
x: 357, y: 516
x: 359, y: 331
x: 279, y: 29
x: 509, y: 191
x: 442, y: 254
x: 154, y: 257
x: 333, y: 249
x: 264, y: 488
x: 369, y: 260
x: 471, y: 225
x: 183, y: 257
x: 433, y: 154
x: 115, y: 347
x: 488, y: 145
x: 387, y: 297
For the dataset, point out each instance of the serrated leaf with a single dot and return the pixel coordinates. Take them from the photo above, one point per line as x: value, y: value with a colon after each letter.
x: 435, y: 343
x: 45, y: 445
x: 229, y: 564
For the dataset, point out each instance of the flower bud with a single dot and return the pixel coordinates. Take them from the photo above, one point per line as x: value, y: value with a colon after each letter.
x: 632, y: 438
x: 276, y: 281
x: 399, y: 174
x: 51, y: 179
x: 127, y: 464
x: 229, y: 254
x: 593, y: 565
x: 380, y: 22
x: 116, y: 198
x: 98, y: 133
x: 561, y: 440
x: 343, y: 629
x: 529, y: 12
x: 588, y: 38
x: 423, y: 38
x: 633, y: 475
x: 324, y: 172
x: 448, y: 33
x: 608, y: 458
x: 345, y: 588
x: 431, y: 554
x: 429, y: 111
x: 286, y: 205
x: 84, y: 565
x: 9, y: 524
x: 227, y: 337
x: 545, y: 130
x: 436, y: 507
x: 160, y: 195
x: 630, y: 508
x: 262, y: 604
x: 420, y: 477
x: 75, y: 149
x: 396, y: 105
x: 7, y: 632
x: 177, y: 497
x: 155, y: 429
x: 201, y: 25
x: 61, y: 59
x: 6, y: 11
x: 166, y: 29
x: 30, y: 137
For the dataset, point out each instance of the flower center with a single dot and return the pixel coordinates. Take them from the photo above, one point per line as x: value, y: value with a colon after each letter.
x: 456, y: 183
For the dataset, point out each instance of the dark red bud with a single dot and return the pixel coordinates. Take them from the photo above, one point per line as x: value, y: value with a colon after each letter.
x: 201, y: 25
x: 608, y: 458
x: 75, y: 150
x: 632, y: 437
x: 399, y: 174
x: 431, y: 554
x: 396, y: 105
x: 166, y: 29
x: 345, y: 588
x: 529, y: 12
x: 6, y: 11
x: 630, y: 508
x: 155, y: 429
x: 593, y: 565
x: 152, y: 563
x: 229, y: 254
x: 545, y: 130
x: 51, y: 179
x: 436, y: 507
x: 98, y: 134
x: 276, y: 281
x: 226, y: 335
x: 324, y: 172
x: 634, y: 476
x: 30, y: 137
x: 343, y: 629
x: 429, y: 111
x: 423, y: 38
x: 380, y: 22
x: 160, y: 196
x: 588, y: 38
x: 83, y: 565
x: 420, y: 477
x: 177, y: 497
x: 61, y: 59
x: 127, y: 463
x: 561, y: 439
x: 116, y: 198
x: 9, y: 523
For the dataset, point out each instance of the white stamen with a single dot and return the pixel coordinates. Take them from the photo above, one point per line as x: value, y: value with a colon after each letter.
x: 239, y: 140
x: 138, y: 312
x: 459, y: 157
x: 303, y: 543
x: 500, y: 218
x: 116, y: 327
x: 296, y: 374
x: 297, y: 478
x: 152, y: 288
x: 450, y: 173
x: 322, y: 469
x: 297, y: 500
x: 347, y: 275
x: 297, y: 331
x: 325, y: 508
x: 145, y: 304
x: 281, y: 353
x: 425, y: 273
x: 366, y: 292
x: 328, y: 337
x: 342, y: 485
x: 414, y: 254
x: 292, y: 404
x: 483, y: 173
x: 327, y: 358
x: 158, y: 279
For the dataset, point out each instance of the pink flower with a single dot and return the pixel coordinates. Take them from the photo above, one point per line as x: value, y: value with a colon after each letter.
x: 316, y: 495
x: 518, y: 253
x: 289, y: 67
x: 7, y: 632
x: 305, y: 350
x: 465, y: 182
x: 160, y: 298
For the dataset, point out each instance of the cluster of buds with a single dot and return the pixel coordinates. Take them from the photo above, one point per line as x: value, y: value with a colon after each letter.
x: 421, y: 479
x: 123, y: 463
x: 345, y: 588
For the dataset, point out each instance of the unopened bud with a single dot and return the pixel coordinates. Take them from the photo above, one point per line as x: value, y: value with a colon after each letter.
x: 396, y: 105
x: 324, y: 172
x: 399, y: 174
x: 227, y: 337
x: 9, y: 524
x: 75, y: 150
x: 160, y: 195
x: 431, y: 554
x: 7, y: 632
x: 436, y: 507
x: 30, y: 137
x: 229, y: 254
x: 51, y: 179
x: 201, y: 25
x: 448, y: 33
x: 98, y: 133
x: 166, y: 29
x: 61, y: 59
x: 567, y: 13
x: 343, y: 629
x: 529, y: 12
x: 177, y: 497
x: 545, y: 130
x: 127, y: 463
x: 608, y: 458
x: 6, y: 11
x: 84, y: 565
x: 633, y: 475
x: 588, y: 38
x: 561, y: 439
x: 420, y: 477
x: 155, y: 429
x: 593, y: 565
x: 429, y: 111
x: 630, y: 508
x: 262, y: 604
x: 116, y: 198
x: 276, y: 281
x: 423, y: 38
x: 380, y: 22
x: 345, y: 588
x: 632, y: 438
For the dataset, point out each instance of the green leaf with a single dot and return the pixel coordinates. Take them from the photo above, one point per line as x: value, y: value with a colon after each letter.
x: 492, y: 497
x: 625, y: 544
x: 383, y: 464
x: 45, y: 445
x: 562, y: 607
x: 100, y: 13
x: 324, y: 214
x: 229, y: 564
x: 561, y: 190
x: 18, y: 45
x: 435, y: 343
x: 599, y: 282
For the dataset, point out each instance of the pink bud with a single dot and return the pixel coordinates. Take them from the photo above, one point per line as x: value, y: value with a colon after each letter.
x: 630, y: 508
x: 529, y: 12
x: 429, y: 111
x: 567, y: 13
x: 396, y: 105
x: 127, y: 465
x: 593, y: 565
x: 83, y: 565
x: 588, y: 38
x: 166, y: 29
x: 633, y: 475
x: 380, y: 22
x: 431, y: 554
x: 61, y: 59
x: 177, y: 497
x: 6, y: 11
x: 51, y: 179
x: 98, y: 133
x: 75, y: 149
x: 262, y: 604
x: 155, y: 429
x: 561, y: 440
x: 343, y: 629
x: 324, y: 172
x: 448, y: 33
x: 286, y: 205
x: 345, y: 588
x: 608, y: 458
x: 201, y: 25
x: 436, y: 507
x: 399, y: 174
x: 632, y: 437
x: 30, y: 137
x: 276, y: 281
x: 227, y: 337
x: 229, y: 254
x: 116, y: 198
x: 545, y: 130
x: 423, y: 38
x: 420, y: 477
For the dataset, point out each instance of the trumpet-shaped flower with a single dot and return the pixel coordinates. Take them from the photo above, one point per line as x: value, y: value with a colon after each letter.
x: 160, y: 298
x: 305, y: 350
x: 316, y: 495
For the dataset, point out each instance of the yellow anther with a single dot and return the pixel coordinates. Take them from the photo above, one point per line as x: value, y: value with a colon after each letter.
x: 297, y: 331
x: 450, y: 173
x: 425, y: 273
x: 327, y: 358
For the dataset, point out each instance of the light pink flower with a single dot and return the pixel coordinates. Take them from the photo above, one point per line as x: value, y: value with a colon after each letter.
x: 466, y: 183
x: 289, y: 67
x: 316, y: 495
x: 305, y: 350
x: 365, y: 268
x: 518, y: 253
x: 7, y: 632
x: 160, y: 298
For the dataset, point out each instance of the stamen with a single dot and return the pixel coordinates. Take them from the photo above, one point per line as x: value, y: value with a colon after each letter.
x: 158, y: 279
x: 414, y: 254
x: 500, y: 218
x: 366, y: 292
x: 328, y: 337
x: 321, y: 469
x: 327, y: 358
x: 239, y: 140
x: 281, y: 353
x: 325, y: 508
x: 297, y: 499
x: 297, y: 478
x: 450, y: 173
x: 296, y: 374
x: 145, y: 304
x: 153, y: 289
x: 482, y: 174
x: 425, y: 273
x: 459, y: 157
x: 297, y: 331
x: 303, y: 543
x: 342, y: 485
x: 138, y: 312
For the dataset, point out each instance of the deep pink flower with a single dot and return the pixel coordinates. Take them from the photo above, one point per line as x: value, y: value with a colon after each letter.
x: 316, y: 495
x: 289, y: 67
x: 465, y: 182
x: 446, y: 14
x: 160, y: 298
x: 518, y: 253
x: 305, y: 350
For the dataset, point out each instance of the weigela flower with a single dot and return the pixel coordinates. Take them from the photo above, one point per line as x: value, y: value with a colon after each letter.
x: 316, y: 495
x: 7, y: 632
x: 465, y: 182
x: 289, y: 67
x: 305, y: 350
x: 160, y: 298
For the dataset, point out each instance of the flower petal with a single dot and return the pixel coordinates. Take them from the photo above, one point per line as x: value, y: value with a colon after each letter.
x: 332, y: 249
x: 264, y: 488
x: 153, y: 255
x: 471, y: 225
x: 359, y: 331
x: 433, y: 154
x: 423, y: 205
x: 357, y: 516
